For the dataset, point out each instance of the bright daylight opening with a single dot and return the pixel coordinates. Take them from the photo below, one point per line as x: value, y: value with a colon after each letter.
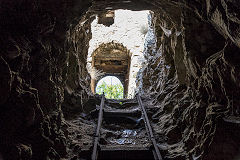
x: 117, y: 47
x: 111, y: 86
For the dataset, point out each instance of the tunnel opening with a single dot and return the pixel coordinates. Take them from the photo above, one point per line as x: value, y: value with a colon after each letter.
x: 118, y: 48
x: 111, y: 86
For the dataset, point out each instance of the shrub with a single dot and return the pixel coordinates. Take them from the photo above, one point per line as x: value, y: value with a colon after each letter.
x: 110, y: 91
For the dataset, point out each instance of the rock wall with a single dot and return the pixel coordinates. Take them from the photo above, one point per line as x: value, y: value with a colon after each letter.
x: 194, y: 81
x: 34, y: 70
x: 77, y: 88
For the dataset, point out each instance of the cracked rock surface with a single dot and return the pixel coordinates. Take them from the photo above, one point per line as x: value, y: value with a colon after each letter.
x: 191, y: 78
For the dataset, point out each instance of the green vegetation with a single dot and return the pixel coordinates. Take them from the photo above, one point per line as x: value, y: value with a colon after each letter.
x: 110, y: 91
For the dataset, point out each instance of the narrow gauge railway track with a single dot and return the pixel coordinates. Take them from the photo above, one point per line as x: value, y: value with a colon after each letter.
x: 97, y: 149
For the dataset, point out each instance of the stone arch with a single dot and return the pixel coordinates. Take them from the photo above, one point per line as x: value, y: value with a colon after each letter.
x: 113, y: 59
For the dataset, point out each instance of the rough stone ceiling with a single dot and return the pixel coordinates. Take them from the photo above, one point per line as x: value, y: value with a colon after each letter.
x: 101, y: 5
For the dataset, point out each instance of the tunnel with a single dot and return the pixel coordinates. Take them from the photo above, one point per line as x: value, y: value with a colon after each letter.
x: 189, y: 80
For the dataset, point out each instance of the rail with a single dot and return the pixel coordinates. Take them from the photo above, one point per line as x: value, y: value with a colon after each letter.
x: 96, y: 146
x: 97, y: 134
x: 156, y: 151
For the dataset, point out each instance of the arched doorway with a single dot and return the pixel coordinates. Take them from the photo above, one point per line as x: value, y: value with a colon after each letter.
x: 111, y: 86
x: 113, y: 59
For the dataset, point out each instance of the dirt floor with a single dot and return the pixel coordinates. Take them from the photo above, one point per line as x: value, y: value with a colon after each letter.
x: 122, y: 127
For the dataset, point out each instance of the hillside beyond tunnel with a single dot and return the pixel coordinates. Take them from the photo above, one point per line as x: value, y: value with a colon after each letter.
x: 190, y: 82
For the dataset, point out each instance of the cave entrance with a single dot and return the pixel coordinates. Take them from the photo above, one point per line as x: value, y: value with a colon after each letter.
x: 117, y: 47
x: 111, y: 86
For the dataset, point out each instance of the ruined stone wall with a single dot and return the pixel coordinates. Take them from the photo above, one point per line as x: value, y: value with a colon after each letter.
x: 129, y: 29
